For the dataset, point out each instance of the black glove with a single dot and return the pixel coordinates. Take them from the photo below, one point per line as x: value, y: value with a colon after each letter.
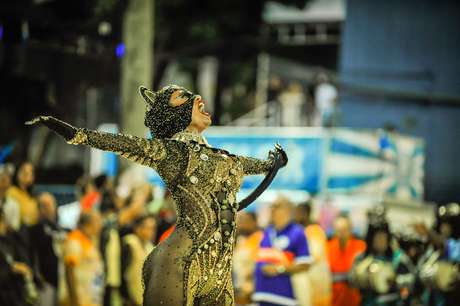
x: 280, y: 160
x: 279, y: 156
x: 60, y: 127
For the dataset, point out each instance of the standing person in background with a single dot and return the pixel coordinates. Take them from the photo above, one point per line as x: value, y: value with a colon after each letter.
x: 325, y: 100
x: 292, y: 102
x: 21, y: 192
x: 319, y: 273
x: 90, y: 195
x: 383, y: 275
x: 273, y: 105
x: 10, y: 206
x: 247, y: 244
x: 443, y: 286
x: 283, y: 252
x: 342, y: 250
x: 46, y: 239
x: 16, y: 285
x: 135, y: 248
x: 118, y: 223
x: 168, y: 217
x: 83, y: 264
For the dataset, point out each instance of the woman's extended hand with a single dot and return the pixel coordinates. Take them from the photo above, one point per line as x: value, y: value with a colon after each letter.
x: 279, y: 155
x: 60, y: 127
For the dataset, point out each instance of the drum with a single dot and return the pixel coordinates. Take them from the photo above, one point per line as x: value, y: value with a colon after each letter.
x: 373, y: 274
x: 439, y: 274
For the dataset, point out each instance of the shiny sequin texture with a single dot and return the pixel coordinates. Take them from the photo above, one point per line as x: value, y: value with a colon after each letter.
x: 161, y: 118
x: 193, y: 266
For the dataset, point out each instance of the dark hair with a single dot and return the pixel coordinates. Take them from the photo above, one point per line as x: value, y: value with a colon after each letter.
x: 139, y: 220
x: 81, y: 185
x: 100, y: 180
x: 2, y: 209
x: 306, y: 206
x: 107, y: 203
x: 372, y: 231
x: 252, y: 215
x: 452, y: 218
x: 85, y: 218
x: 17, y: 168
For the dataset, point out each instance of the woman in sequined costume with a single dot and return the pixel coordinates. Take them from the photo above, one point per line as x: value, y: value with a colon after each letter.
x: 193, y: 266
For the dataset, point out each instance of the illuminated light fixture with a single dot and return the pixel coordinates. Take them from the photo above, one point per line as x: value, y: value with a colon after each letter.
x: 120, y: 50
x: 104, y: 28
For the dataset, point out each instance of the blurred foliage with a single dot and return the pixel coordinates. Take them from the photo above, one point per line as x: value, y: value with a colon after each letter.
x: 194, y: 27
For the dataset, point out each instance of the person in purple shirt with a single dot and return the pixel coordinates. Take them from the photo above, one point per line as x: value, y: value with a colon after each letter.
x: 283, y: 252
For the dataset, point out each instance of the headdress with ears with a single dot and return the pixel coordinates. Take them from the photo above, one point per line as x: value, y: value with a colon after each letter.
x: 161, y: 118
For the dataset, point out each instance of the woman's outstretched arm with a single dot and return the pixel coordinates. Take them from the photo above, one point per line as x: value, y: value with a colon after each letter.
x: 253, y: 166
x: 140, y: 150
x: 276, y: 160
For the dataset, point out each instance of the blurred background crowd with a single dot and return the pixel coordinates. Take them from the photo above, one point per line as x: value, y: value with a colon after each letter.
x: 363, y: 95
x: 91, y: 251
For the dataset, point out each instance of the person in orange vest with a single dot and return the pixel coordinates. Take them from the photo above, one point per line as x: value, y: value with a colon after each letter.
x: 342, y: 250
x: 320, y: 280
x: 249, y: 236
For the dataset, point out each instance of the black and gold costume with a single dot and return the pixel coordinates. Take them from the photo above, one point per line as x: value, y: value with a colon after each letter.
x: 193, y: 266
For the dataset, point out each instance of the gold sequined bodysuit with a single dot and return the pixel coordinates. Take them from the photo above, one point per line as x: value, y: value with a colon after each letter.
x: 193, y: 266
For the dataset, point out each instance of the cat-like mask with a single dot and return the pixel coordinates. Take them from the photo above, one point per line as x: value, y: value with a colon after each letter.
x: 161, y: 118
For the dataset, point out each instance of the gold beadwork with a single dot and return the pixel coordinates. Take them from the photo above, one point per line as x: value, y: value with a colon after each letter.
x: 180, y: 160
x: 79, y: 138
x: 193, y: 179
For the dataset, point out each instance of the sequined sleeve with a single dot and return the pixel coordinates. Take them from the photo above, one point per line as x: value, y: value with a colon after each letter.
x: 252, y: 166
x: 140, y: 150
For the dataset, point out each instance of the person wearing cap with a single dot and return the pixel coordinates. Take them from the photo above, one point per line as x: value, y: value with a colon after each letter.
x: 283, y: 252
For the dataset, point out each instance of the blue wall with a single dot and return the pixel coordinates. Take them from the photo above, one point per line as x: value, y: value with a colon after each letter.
x: 407, y: 46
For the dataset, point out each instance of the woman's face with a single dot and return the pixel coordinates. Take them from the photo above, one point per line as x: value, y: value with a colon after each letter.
x: 201, y: 119
x: 445, y: 229
x: 26, y: 175
x: 380, y: 242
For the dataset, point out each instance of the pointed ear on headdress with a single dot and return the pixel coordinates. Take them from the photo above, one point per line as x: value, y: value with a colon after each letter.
x: 148, y: 95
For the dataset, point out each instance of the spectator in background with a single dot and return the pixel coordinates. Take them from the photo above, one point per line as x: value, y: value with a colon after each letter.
x: 167, y: 217
x: 273, y: 105
x: 83, y: 263
x: 16, y: 284
x: 19, y: 196
x: 10, y: 206
x: 319, y: 273
x: 283, y: 252
x: 118, y: 223
x: 292, y: 101
x: 245, y: 255
x: 21, y: 192
x: 342, y: 250
x: 382, y: 274
x: 325, y: 101
x: 443, y: 282
x: 90, y: 195
x: 135, y: 248
x: 46, y: 239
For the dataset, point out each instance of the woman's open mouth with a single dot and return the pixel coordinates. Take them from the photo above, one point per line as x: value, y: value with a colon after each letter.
x: 201, y: 109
